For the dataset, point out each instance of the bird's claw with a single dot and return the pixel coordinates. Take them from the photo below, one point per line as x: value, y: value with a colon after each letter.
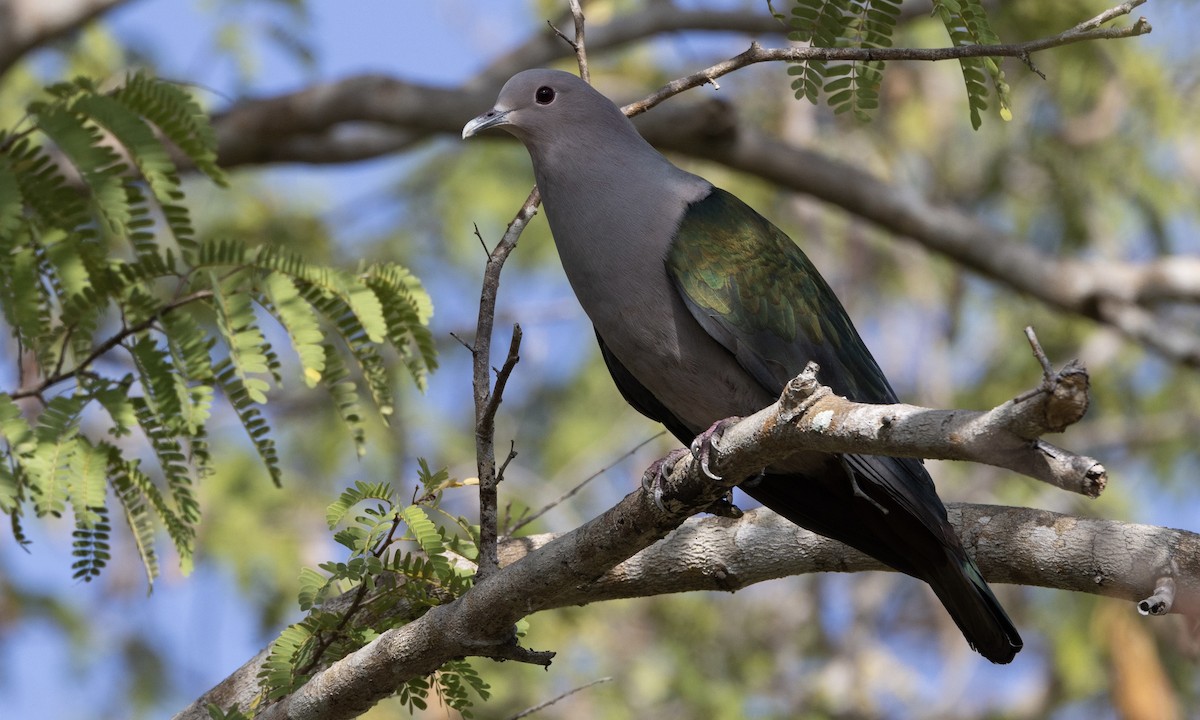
x: 706, y: 442
x: 654, y: 479
x: 655, y: 476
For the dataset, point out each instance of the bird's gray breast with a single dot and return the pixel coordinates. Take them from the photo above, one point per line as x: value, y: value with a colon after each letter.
x: 613, y: 248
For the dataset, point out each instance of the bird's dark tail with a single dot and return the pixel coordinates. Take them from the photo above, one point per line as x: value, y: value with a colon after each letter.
x: 976, y: 611
x: 922, y: 545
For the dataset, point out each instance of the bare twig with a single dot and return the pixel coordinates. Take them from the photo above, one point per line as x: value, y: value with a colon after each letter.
x: 512, y: 455
x: 502, y: 375
x: 1038, y: 352
x: 580, y: 485
x: 542, y: 706
x: 482, y: 244
x: 485, y: 405
x: 487, y: 400
x: 577, y: 45
x: 462, y: 342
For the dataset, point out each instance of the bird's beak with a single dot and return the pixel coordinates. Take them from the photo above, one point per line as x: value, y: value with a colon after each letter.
x: 491, y: 118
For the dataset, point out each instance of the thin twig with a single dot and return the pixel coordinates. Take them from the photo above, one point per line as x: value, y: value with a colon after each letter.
x: 485, y: 402
x: 482, y: 244
x: 1038, y: 352
x: 1049, y: 377
x: 327, y: 639
x: 493, y: 404
x: 462, y: 342
x: 542, y: 706
x: 573, y: 491
x: 577, y: 45
x: 111, y: 343
x: 1085, y: 31
x: 1106, y: 16
x: 512, y: 455
x: 562, y: 35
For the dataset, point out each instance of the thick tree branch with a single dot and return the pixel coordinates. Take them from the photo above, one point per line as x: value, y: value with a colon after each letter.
x: 1023, y: 546
x: 27, y: 24
x: 809, y: 415
x: 1119, y: 559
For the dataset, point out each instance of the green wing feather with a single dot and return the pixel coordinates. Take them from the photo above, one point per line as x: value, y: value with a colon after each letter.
x: 756, y: 292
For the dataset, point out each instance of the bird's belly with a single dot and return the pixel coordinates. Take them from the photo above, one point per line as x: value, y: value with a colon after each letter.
x: 688, y: 371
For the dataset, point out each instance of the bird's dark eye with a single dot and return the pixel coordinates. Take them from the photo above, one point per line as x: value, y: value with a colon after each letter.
x: 544, y: 95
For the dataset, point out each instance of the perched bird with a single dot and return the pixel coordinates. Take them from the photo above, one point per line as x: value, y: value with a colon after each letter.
x: 704, y: 310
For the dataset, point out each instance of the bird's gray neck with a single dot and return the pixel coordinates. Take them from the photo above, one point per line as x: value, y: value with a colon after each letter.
x: 620, y: 196
x: 613, y: 210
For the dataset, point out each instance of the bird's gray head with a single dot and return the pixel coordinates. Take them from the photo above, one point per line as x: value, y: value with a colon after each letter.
x: 541, y: 106
x: 589, y: 161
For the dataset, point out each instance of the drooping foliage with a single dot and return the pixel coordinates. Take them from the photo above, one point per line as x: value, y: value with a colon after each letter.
x: 401, y: 564
x: 128, y: 327
x: 854, y: 86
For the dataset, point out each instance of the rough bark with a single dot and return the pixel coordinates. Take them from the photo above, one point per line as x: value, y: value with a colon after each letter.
x: 621, y: 553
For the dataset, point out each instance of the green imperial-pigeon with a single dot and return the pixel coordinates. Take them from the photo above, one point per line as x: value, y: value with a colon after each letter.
x: 704, y: 310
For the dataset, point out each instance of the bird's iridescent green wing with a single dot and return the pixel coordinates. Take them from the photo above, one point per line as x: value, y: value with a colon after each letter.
x: 757, y: 294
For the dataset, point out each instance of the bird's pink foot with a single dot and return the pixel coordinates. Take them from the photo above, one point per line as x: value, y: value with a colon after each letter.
x: 654, y: 479
x: 656, y: 475
x: 702, y: 448
x: 708, y: 441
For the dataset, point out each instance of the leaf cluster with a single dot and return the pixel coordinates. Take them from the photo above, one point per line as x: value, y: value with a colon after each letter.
x: 127, y: 327
x: 401, y: 564
x: 854, y: 86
